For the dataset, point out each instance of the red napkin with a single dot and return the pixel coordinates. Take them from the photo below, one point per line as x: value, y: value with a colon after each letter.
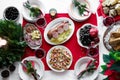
x: 72, y: 44
x: 101, y: 12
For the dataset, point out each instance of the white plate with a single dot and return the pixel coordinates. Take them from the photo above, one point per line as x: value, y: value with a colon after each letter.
x: 78, y: 36
x: 74, y: 14
x: 39, y: 66
x: 26, y: 12
x: 48, y: 57
x: 81, y: 65
x: 52, y: 25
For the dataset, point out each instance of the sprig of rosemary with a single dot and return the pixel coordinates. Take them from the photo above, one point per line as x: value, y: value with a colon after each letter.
x: 34, y: 11
x: 81, y: 7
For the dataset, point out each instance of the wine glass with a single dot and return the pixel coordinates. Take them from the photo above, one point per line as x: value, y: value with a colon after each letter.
x: 93, y: 51
x: 40, y: 53
x: 41, y: 22
x: 108, y: 21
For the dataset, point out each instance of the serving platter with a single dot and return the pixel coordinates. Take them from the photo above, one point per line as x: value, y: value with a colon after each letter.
x: 32, y: 36
x: 39, y: 66
x: 53, y: 24
x: 107, y: 33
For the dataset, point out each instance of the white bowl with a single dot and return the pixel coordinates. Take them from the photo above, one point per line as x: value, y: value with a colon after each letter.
x: 74, y: 14
x: 81, y: 65
x: 6, y: 10
x: 78, y: 36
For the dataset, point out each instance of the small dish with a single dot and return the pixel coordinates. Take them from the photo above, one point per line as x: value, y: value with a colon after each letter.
x: 32, y: 36
x: 51, y: 58
x: 56, y: 23
x: 81, y: 65
x: 26, y: 12
x: 11, y: 13
x: 39, y: 66
x: 108, y: 21
x: 41, y: 23
x: 40, y: 53
x: 74, y: 13
x: 79, y: 39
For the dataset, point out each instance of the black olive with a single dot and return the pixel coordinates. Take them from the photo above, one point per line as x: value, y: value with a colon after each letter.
x: 5, y: 73
x: 12, y: 67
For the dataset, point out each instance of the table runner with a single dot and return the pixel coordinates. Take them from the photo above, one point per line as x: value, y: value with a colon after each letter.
x: 72, y: 44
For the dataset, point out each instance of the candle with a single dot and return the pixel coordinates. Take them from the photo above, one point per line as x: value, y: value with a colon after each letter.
x: 53, y: 12
x: 2, y: 42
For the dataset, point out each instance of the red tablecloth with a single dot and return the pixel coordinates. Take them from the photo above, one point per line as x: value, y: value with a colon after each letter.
x: 72, y: 44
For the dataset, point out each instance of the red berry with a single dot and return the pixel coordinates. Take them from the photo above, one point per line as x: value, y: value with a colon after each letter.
x: 93, y: 32
x: 92, y: 43
x: 96, y: 40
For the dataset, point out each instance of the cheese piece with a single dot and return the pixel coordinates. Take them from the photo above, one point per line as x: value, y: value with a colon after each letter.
x: 117, y: 8
x: 109, y: 2
x: 113, y: 2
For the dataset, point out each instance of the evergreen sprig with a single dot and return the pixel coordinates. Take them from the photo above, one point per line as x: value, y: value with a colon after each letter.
x: 81, y: 7
x: 34, y: 11
x: 14, y: 49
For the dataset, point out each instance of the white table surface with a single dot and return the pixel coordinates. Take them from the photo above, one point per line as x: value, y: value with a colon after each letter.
x: 62, y: 7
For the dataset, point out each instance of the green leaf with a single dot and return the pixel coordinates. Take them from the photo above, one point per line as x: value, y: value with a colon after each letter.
x: 106, y: 58
x: 81, y: 7
x: 104, y: 68
x: 106, y: 78
x: 115, y: 66
x: 76, y: 3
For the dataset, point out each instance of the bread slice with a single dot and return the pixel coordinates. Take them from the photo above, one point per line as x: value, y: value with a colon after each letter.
x: 115, y: 34
x: 117, y: 48
x: 109, y: 2
x: 114, y: 41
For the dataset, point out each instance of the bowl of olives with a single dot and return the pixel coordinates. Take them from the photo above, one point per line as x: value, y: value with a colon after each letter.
x: 11, y: 13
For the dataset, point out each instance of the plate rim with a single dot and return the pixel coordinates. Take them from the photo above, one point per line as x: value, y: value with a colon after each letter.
x: 48, y: 55
x: 32, y: 58
x: 55, y: 22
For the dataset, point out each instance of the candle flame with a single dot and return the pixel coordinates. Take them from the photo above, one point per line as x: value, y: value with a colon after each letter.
x: 2, y: 42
